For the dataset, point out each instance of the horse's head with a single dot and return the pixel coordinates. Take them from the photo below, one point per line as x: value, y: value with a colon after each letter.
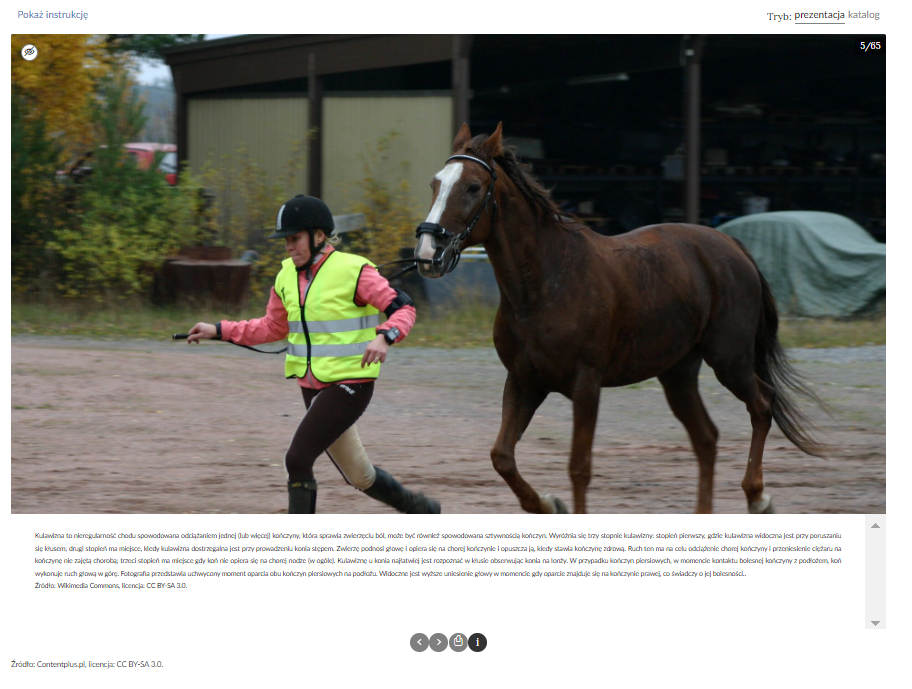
x: 464, y: 206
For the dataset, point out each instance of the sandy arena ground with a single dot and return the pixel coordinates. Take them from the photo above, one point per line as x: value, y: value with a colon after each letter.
x: 163, y: 427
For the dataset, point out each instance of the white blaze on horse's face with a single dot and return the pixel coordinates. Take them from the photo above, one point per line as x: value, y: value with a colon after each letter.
x: 448, y: 177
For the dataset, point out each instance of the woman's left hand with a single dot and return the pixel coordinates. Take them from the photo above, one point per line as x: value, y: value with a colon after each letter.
x: 375, y: 352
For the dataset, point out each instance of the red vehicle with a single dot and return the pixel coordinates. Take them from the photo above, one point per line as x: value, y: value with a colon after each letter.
x: 145, y: 154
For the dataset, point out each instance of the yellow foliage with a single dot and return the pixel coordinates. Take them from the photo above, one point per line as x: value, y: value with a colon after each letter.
x: 58, y: 83
x: 245, y: 205
x: 386, y: 203
x: 114, y: 245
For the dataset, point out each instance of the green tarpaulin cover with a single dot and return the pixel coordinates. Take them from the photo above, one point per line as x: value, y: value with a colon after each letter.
x: 818, y: 264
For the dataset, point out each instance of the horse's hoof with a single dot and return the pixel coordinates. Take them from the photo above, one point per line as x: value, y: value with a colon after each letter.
x: 554, y: 505
x: 762, y: 506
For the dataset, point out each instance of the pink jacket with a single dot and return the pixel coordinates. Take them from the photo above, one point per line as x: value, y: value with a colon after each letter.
x: 373, y: 289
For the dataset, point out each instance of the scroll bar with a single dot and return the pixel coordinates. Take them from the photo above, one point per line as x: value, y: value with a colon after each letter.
x: 875, y: 571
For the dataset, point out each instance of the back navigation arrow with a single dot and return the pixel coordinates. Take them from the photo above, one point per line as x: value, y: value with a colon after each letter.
x: 418, y: 642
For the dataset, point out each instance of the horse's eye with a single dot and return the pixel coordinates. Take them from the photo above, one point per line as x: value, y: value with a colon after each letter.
x: 474, y: 188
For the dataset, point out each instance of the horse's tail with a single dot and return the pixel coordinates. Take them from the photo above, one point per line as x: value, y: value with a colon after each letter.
x: 773, y: 367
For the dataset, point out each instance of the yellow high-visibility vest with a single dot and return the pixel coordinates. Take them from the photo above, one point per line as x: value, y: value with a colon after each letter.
x: 334, y: 331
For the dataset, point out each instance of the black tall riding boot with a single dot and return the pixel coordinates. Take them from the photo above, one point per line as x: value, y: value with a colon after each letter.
x: 302, y: 497
x: 387, y: 489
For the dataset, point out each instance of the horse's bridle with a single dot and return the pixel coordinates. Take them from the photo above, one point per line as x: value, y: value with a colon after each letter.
x: 449, y: 257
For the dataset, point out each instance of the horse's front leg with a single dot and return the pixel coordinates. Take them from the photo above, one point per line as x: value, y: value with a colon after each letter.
x: 586, y: 391
x: 519, y: 406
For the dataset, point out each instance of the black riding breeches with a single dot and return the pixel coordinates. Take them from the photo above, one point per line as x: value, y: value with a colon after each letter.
x: 330, y: 412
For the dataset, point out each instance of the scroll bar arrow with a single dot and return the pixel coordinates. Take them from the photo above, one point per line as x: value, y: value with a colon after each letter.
x: 875, y: 623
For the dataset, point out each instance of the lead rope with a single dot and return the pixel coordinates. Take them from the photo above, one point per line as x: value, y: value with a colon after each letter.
x: 184, y: 336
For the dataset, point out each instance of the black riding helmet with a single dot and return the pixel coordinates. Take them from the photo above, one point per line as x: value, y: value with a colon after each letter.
x: 304, y: 213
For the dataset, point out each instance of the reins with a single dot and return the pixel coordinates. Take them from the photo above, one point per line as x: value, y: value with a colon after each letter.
x: 413, y: 265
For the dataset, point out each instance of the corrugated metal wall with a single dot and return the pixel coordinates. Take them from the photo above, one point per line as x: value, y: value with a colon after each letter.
x: 271, y: 130
x: 355, y: 125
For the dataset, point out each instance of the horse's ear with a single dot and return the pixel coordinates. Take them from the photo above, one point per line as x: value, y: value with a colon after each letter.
x: 493, y: 147
x: 462, y: 138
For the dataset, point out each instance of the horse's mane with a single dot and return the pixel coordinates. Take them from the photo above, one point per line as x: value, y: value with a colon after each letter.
x: 531, y: 188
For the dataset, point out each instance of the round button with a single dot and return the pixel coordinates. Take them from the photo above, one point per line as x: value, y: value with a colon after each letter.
x: 478, y: 642
x: 459, y: 642
x: 419, y: 642
x: 438, y: 643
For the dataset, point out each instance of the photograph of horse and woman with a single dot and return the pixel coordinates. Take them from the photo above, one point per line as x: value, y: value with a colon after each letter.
x: 603, y: 321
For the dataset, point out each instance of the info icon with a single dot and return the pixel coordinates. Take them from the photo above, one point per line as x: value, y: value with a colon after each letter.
x: 29, y: 52
x: 478, y: 642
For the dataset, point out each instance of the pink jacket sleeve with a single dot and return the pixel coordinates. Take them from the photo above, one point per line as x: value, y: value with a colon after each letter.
x: 271, y: 328
x: 374, y: 289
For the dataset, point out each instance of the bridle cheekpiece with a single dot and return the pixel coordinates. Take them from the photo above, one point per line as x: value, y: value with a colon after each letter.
x: 449, y: 257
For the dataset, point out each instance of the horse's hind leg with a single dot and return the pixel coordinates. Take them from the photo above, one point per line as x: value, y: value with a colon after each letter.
x: 586, y: 393
x: 760, y: 407
x: 739, y: 377
x: 682, y: 393
x: 518, y: 408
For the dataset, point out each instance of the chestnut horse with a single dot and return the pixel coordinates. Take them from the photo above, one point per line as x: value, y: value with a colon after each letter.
x: 579, y: 312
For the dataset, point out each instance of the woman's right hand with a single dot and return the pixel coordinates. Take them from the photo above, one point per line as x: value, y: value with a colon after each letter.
x: 201, y: 331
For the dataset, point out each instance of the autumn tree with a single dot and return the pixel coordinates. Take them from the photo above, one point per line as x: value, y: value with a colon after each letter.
x: 56, y: 86
x: 34, y: 196
x: 125, y: 220
x: 104, y: 233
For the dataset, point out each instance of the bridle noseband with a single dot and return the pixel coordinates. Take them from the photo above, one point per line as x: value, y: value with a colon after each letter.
x: 449, y: 257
